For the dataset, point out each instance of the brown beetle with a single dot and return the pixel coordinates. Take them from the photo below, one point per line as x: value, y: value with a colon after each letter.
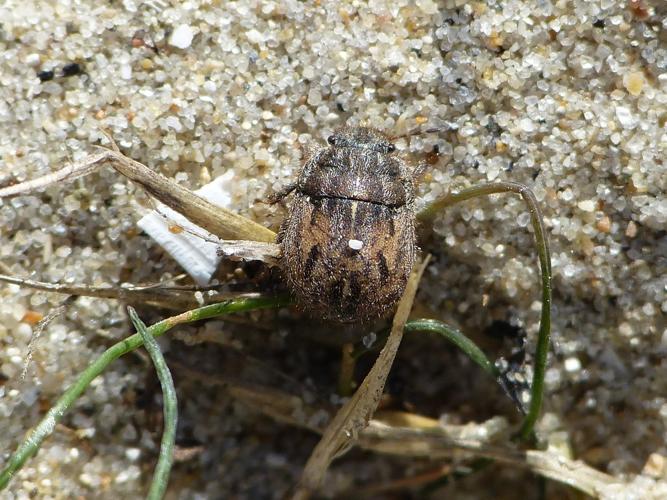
x: 348, y: 243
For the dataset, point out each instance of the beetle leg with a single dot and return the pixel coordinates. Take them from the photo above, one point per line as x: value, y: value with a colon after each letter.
x: 420, y: 170
x: 424, y: 166
x: 274, y: 198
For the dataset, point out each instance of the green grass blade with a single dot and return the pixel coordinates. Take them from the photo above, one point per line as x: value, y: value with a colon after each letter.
x: 48, y: 423
x: 457, y: 338
x: 444, y: 330
x: 170, y: 409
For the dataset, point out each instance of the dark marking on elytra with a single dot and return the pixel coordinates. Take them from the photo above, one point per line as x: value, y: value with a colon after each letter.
x: 355, y: 286
x: 351, y: 300
x: 336, y: 292
x: 311, y: 261
x: 358, y: 218
x: 382, y: 266
x: 377, y: 211
x: 317, y: 206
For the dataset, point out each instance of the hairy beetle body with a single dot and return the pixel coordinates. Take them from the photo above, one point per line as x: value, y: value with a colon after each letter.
x: 348, y: 243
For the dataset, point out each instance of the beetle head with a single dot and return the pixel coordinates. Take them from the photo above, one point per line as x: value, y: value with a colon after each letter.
x: 362, y: 138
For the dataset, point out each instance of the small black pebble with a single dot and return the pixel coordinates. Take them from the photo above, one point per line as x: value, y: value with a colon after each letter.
x: 45, y: 76
x: 598, y: 23
x: 71, y: 69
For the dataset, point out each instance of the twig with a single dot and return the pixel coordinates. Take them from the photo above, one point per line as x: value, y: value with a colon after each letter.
x: 170, y: 297
x: 410, y: 482
x: 217, y: 220
x: 440, y: 444
x: 69, y: 173
x: 39, y: 329
x: 269, y: 253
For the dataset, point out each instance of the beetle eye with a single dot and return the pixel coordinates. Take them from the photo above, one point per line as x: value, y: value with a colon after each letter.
x: 391, y: 148
x: 331, y: 140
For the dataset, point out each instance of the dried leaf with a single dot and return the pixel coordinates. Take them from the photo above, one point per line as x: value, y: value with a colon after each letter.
x: 353, y: 417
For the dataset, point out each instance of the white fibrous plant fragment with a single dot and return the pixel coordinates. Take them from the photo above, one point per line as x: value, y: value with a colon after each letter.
x: 198, y: 257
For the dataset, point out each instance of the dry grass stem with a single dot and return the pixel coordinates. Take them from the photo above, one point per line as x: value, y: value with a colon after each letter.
x: 217, y: 220
x: 67, y: 174
x: 39, y: 329
x: 269, y: 253
x: 176, y: 298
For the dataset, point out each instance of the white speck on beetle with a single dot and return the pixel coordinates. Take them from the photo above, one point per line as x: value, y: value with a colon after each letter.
x: 355, y: 244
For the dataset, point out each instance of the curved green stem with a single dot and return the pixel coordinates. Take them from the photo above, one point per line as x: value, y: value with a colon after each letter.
x: 450, y: 333
x: 170, y: 410
x: 542, y: 348
x: 457, y: 338
x: 48, y: 423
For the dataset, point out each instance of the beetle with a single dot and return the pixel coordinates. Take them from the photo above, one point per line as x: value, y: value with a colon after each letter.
x: 348, y: 242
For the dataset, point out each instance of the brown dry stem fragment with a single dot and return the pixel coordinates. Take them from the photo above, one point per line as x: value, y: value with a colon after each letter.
x: 217, y: 220
x: 447, y: 442
x: 353, y: 417
x: 159, y: 294
x: 269, y: 253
